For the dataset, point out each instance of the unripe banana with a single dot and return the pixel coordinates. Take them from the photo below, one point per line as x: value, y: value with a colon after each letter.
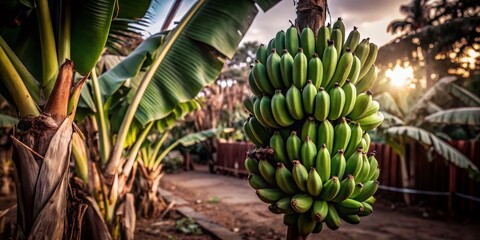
x: 267, y: 171
x: 284, y: 179
x: 352, y: 219
x: 261, y: 78
x: 308, y: 97
x: 369, y: 188
x: 280, y: 111
x: 314, y: 183
x: 291, y: 219
x: 362, y: 144
x: 332, y: 220
x: 301, y: 203
x: 249, y: 134
x: 278, y: 146
x: 336, y: 37
x: 262, y: 54
x: 258, y: 113
x: 352, y: 40
x: 273, y: 209
x: 315, y: 71
x: 338, y: 164
x: 286, y: 68
x: 346, y: 189
x: 269, y: 195
x: 260, y: 133
x: 365, y: 169
x: 319, y: 210
x: 340, y: 25
x: 251, y: 83
x: 373, y: 166
x: 300, y: 66
x: 270, y: 46
x: 291, y: 40
x: 309, y: 128
x: 266, y: 111
x: 372, y: 56
x: 355, y: 139
x: 318, y: 228
x: 343, y: 134
x: 323, y: 163
x: 307, y: 41
x: 362, y: 50
x: 367, y: 140
x: 251, y: 164
x: 354, y: 164
x: 337, y: 102
x: 326, y: 133
x: 350, y: 98
x: 257, y: 182
x: 358, y: 190
x: 273, y: 70
x: 322, y: 105
x: 371, y: 200
x: 280, y: 41
x: 368, y: 80
x: 305, y: 225
x: 376, y: 174
x: 283, y: 205
x: 248, y: 104
x: 361, y: 105
x: 330, y: 189
x: 322, y: 38
x: 308, y: 153
x: 349, y: 207
x: 367, y: 209
x: 355, y: 71
x: 294, y: 102
x: 371, y: 122
x: 329, y: 60
x: 300, y: 175
x: 343, y: 69
x: 294, y: 145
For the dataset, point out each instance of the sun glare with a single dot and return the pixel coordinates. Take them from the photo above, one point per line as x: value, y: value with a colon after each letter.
x: 400, y: 76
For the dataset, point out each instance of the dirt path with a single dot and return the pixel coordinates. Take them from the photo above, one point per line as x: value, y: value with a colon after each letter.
x: 232, y: 203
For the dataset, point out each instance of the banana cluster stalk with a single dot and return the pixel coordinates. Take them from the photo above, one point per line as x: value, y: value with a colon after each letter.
x: 309, y: 118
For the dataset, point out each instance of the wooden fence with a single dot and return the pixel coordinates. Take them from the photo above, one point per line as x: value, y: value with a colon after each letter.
x: 437, y: 183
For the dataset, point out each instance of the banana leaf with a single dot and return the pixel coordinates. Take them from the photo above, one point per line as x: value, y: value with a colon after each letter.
x: 467, y: 97
x: 442, y: 148
x: 388, y: 104
x: 7, y: 121
x: 469, y: 116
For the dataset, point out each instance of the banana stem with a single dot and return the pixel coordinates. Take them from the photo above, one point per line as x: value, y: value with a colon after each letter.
x: 292, y: 234
x: 105, y: 144
x: 132, y: 155
x: 158, y: 146
x: 64, y: 32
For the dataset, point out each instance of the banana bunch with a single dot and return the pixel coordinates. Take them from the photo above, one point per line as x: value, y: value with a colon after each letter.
x: 312, y: 106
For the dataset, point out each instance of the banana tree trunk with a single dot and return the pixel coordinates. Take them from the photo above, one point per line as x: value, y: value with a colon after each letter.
x: 151, y: 204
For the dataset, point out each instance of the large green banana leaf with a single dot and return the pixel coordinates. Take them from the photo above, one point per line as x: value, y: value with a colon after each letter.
x: 469, y: 116
x: 388, y: 103
x: 194, y: 138
x: 467, y: 97
x: 442, y: 148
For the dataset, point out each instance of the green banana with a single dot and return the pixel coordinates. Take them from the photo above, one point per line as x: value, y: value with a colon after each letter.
x: 336, y: 37
x: 367, y: 140
x: 367, y: 209
x: 369, y: 188
x: 338, y: 164
x: 329, y: 60
x: 373, y: 166
x: 251, y: 83
x: 280, y: 111
x: 307, y: 41
x: 280, y: 40
x: 257, y: 182
x: 337, y: 102
x: 355, y: 71
x: 352, y: 40
x: 372, y: 56
x: 290, y: 219
x: 261, y: 78
x: 322, y: 39
x: 343, y: 134
x: 355, y: 139
x: 262, y: 54
x: 270, y: 46
x: 326, y: 133
x: 371, y: 122
x: 283, y: 205
x: 267, y: 171
x: 294, y: 103
x: 350, y: 98
x: 352, y: 219
x: 273, y: 209
x: 273, y: 70
x: 286, y: 68
x: 322, y: 105
x: 368, y: 80
x: 358, y: 190
x: 301, y: 203
x: 349, y: 207
x: 362, y: 50
x: 342, y: 70
x: 294, y: 145
x: 373, y: 108
x: 346, y: 189
x: 258, y: 113
x: 330, y: 189
x: 376, y: 174
x: 300, y: 65
x: 323, y: 163
x: 300, y: 175
x: 309, y: 128
x: 269, y: 195
x: 284, y: 179
x: 354, y: 163
x: 339, y: 24
x: 291, y: 40
x: 261, y: 133
x: 314, y: 183
x: 251, y: 164
x: 315, y: 71
x: 371, y: 200
x: 248, y: 104
x: 362, y: 144
x: 308, y: 153
x: 365, y: 169
x: 332, y: 220
x: 361, y: 105
x: 305, y: 225
x: 266, y: 111
x: 278, y: 146
x: 318, y: 228
x: 319, y: 210
x: 308, y: 97
x: 250, y: 136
